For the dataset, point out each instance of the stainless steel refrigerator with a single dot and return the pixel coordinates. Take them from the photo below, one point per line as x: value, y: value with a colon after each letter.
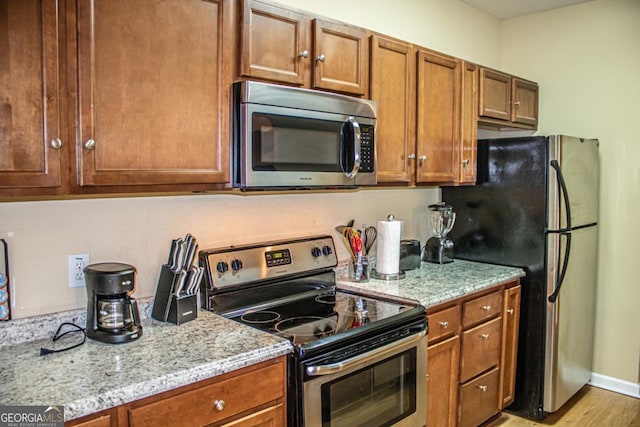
x: 535, y: 206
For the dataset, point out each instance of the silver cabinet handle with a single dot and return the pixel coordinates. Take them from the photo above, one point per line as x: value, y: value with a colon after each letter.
x: 482, y: 387
x: 90, y: 144
x: 486, y: 307
x: 484, y: 336
x: 422, y: 158
x: 466, y: 162
x: 510, y: 310
x: 321, y: 58
x: 219, y: 404
x: 411, y: 156
x: 516, y: 103
x: 304, y: 54
x: 444, y: 324
x: 55, y: 143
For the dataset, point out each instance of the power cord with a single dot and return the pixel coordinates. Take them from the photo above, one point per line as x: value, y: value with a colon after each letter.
x: 58, y: 335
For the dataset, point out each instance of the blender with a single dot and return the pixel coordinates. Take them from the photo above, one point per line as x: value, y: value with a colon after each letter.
x: 439, y: 248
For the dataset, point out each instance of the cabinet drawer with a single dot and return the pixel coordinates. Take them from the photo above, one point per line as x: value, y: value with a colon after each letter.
x: 198, y: 407
x: 444, y: 323
x: 479, y: 399
x: 480, y: 309
x: 481, y: 348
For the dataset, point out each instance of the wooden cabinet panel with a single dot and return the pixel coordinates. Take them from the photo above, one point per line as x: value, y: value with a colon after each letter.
x: 271, y: 417
x: 469, y: 124
x: 479, y: 399
x: 444, y: 323
x: 482, y: 308
x: 393, y: 88
x: 341, y: 58
x: 275, y: 44
x: 481, y: 349
x: 511, y: 321
x: 98, y: 421
x: 150, y: 107
x: 31, y: 141
x: 442, y: 383
x: 525, y: 102
x: 438, y: 118
x: 495, y: 94
x: 217, y: 401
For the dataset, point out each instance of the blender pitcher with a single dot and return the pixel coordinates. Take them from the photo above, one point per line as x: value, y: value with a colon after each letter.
x: 439, y: 248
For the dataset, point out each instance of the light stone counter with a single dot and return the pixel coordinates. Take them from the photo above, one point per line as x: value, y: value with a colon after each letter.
x: 433, y: 284
x: 98, y: 376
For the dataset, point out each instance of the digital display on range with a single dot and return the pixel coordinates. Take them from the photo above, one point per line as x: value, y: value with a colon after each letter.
x: 277, y: 258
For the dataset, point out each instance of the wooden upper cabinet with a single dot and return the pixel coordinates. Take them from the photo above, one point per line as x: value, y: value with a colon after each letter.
x: 32, y: 145
x: 505, y: 100
x: 438, y: 118
x: 152, y: 92
x: 393, y: 88
x: 469, y: 124
x: 275, y: 43
x: 288, y: 46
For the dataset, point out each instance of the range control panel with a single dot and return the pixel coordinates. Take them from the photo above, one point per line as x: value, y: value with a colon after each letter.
x: 238, y: 265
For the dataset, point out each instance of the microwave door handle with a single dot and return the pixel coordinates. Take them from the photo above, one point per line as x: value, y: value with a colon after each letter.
x: 351, y: 121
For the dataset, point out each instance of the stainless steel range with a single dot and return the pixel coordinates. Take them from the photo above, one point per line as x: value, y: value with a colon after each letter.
x: 357, y: 360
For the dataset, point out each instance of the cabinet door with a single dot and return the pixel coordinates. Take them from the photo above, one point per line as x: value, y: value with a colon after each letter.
x: 510, y: 323
x: 275, y: 44
x: 478, y: 399
x: 495, y: 94
x: 152, y: 92
x: 270, y: 417
x: 525, y: 102
x: 442, y: 383
x: 469, y: 127
x: 481, y: 349
x: 30, y: 140
x: 393, y: 88
x: 438, y: 118
x: 341, y: 59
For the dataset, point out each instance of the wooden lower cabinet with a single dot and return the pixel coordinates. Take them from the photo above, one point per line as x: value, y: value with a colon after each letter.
x: 471, y: 358
x: 249, y: 397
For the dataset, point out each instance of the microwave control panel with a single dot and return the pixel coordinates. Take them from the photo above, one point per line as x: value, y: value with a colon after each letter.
x: 367, y: 161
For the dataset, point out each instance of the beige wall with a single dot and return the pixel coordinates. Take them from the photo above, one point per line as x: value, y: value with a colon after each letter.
x: 586, y: 59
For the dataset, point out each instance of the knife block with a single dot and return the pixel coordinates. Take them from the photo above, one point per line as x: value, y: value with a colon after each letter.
x: 169, y: 307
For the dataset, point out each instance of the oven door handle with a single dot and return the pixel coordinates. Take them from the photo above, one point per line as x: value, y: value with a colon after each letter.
x: 332, y: 368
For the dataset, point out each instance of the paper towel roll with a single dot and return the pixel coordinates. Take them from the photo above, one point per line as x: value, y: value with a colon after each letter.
x: 388, y: 247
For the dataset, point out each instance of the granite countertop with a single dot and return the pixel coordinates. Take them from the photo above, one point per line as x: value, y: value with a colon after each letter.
x: 97, y: 376
x: 433, y: 284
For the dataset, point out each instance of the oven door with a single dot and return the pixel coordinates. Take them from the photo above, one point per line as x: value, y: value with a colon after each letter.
x: 384, y: 387
x: 289, y: 147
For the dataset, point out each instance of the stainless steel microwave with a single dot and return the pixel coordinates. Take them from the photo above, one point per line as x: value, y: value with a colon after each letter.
x: 286, y: 138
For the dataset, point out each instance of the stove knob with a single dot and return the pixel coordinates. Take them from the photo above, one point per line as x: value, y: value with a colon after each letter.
x: 222, y: 267
x: 316, y: 252
x: 327, y: 250
x: 236, y: 265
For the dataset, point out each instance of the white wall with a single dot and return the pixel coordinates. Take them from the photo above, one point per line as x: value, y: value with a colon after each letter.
x: 586, y: 59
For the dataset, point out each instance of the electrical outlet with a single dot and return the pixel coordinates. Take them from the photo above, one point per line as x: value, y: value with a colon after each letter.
x: 77, y: 263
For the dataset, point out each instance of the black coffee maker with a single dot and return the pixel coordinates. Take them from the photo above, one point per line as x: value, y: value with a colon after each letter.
x: 112, y: 315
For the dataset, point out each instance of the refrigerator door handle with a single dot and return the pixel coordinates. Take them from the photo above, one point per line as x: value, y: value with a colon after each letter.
x: 566, y: 232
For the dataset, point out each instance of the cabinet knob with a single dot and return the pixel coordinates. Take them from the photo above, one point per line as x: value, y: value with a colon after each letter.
x: 219, y: 404
x: 486, y: 307
x: 422, y: 158
x: 482, y: 387
x: 510, y: 310
x: 55, y: 143
x: 304, y: 54
x: 466, y: 162
x: 516, y: 103
x: 484, y: 336
x: 90, y: 144
x: 411, y: 156
x: 444, y: 324
x: 321, y: 58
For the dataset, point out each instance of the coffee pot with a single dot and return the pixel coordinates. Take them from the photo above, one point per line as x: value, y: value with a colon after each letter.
x: 439, y: 248
x: 112, y: 314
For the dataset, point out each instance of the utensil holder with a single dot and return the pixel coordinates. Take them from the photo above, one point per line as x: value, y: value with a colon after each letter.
x: 169, y: 307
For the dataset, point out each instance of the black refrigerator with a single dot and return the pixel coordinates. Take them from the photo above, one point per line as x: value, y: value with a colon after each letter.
x: 535, y: 206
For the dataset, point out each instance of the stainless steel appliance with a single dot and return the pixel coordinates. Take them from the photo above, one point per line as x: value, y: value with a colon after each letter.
x: 357, y: 360
x: 535, y: 206
x: 112, y: 314
x: 439, y: 248
x: 286, y: 137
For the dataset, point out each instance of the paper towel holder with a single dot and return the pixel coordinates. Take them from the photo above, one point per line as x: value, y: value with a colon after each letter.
x: 383, y: 276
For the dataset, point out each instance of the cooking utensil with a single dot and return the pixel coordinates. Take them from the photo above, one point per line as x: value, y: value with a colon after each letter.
x: 370, y: 234
x: 340, y: 228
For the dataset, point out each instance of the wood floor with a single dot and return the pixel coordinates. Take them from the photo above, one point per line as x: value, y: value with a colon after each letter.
x: 590, y: 407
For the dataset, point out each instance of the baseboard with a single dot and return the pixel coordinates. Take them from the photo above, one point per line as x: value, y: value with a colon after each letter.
x: 615, y: 385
